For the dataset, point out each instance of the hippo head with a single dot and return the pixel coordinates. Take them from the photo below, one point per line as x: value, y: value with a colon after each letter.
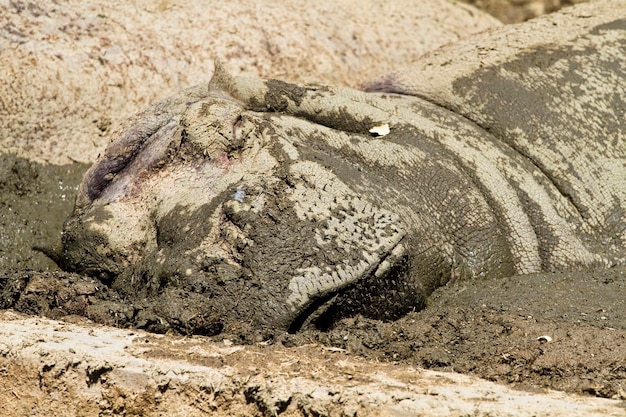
x: 212, y: 204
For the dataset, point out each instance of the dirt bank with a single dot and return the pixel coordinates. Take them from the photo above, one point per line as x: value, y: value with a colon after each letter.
x: 62, y: 369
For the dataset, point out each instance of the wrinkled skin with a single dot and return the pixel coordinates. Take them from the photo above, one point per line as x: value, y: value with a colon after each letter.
x: 258, y: 203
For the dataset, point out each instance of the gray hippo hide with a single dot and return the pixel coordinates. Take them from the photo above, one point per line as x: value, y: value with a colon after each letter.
x: 249, y: 203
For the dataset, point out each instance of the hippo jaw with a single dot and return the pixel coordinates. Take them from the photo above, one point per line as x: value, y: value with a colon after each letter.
x: 304, y: 239
x: 316, y: 291
x: 368, y: 242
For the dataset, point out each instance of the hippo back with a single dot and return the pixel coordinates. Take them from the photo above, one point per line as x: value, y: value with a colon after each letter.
x: 554, y: 91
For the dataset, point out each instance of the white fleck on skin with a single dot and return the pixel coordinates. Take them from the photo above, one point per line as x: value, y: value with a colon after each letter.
x: 380, y: 130
x: 239, y: 196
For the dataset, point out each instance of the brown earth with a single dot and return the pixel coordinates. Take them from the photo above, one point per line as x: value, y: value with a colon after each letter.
x: 560, y: 331
x: 63, y: 369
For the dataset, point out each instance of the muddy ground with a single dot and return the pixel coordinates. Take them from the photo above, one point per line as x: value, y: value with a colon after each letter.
x: 560, y: 331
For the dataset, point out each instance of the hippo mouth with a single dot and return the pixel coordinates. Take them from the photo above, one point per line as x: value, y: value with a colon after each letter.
x: 337, y: 293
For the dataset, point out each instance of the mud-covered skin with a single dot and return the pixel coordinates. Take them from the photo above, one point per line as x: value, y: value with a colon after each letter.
x: 271, y: 205
x: 556, y: 95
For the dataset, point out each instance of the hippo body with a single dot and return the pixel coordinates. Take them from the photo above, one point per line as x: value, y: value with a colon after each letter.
x: 274, y: 205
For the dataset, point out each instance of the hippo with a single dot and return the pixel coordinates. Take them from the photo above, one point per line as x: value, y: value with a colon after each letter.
x: 257, y: 203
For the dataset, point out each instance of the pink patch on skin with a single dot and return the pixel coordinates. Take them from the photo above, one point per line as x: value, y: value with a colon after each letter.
x: 223, y: 161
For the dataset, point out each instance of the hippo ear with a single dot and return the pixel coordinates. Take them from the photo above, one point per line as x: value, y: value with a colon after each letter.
x: 139, y: 141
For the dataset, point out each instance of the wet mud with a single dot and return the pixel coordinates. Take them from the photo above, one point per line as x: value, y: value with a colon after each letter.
x: 562, y: 331
x: 35, y: 199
